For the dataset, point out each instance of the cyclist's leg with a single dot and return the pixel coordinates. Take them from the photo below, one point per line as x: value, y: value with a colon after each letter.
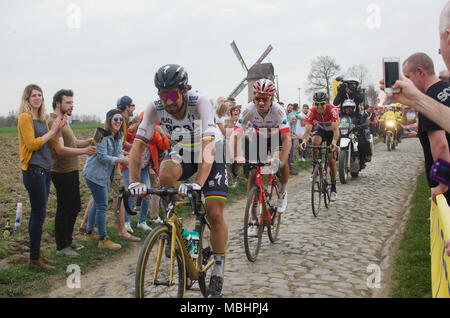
x: 170, y: 171
x: 333, y: 168
x: 316, y: 141
x: 215, y: 191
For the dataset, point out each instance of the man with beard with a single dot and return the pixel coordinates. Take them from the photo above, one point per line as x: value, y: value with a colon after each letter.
x: 65, y: 176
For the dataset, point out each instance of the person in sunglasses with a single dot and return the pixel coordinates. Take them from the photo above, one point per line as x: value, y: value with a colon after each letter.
x: 270, y: 133
x: 188, y: 117
x: 98, y: 171
x: 326, y: 117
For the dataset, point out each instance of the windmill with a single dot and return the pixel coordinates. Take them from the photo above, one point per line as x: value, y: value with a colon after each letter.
x: 257, y: 71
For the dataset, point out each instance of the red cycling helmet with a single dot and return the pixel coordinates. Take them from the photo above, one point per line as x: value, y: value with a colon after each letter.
x: 264, y: 87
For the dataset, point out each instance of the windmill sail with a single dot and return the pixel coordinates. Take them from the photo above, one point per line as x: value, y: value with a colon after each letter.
x: 238, y: 55
x: 238, y: 89
x: 263, y: 56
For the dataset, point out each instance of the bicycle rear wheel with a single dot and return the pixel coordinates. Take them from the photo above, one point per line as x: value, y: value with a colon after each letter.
x: 316, y: 190
x: 274, y: 228
x: 152, y: 280
x: 253, y: 209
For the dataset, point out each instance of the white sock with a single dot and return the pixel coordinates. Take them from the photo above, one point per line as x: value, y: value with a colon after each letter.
x: 283, y: 188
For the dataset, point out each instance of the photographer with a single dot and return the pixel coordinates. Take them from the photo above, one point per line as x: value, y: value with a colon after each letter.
x: 349, y: 109
x: 349, y: 90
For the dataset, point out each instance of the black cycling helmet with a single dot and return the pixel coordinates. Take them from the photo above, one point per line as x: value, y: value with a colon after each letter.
x: 320, y: 97
x: 171, y: 76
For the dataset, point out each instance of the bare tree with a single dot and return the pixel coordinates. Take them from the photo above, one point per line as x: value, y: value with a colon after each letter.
x: 372, y: 95
x: 323, y: 71
x: 361, y: 73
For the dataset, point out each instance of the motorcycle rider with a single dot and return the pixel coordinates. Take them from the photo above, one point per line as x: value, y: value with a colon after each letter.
x: 390, y: 115
x: 349, y: 90
x: 349, y: 108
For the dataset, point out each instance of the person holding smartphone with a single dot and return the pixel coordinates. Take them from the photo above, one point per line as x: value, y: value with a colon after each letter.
x: 419, y: 68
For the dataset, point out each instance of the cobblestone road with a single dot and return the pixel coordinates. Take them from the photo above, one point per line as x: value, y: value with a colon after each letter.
x: 327, y: 256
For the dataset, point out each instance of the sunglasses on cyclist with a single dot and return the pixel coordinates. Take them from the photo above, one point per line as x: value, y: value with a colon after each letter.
x: 117, y: 119
x: 320, y: 103
x: 173, y: 96
x: 262, y: 98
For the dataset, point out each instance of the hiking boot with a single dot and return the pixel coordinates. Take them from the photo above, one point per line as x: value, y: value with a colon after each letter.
x: 67, y: 251
x: 45, y: 260
x: 215, y: 287
x: 108, y: 244
x: 90, y: 236
x: 38, y: 264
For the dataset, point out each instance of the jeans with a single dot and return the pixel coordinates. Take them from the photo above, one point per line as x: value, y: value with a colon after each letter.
x: 37, y: 183
x: 67, y: 187
x: 145, y: 203
x: 97, y: 213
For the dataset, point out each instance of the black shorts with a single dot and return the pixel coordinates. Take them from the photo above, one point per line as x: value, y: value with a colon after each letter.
x: 326, y: 135
x: 216, y: 185
x: 257, y: 149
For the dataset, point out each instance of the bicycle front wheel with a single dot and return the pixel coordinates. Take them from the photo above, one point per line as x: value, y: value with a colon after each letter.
x: 153, y: 267
x: 253, y: 227
x: 316, y: 190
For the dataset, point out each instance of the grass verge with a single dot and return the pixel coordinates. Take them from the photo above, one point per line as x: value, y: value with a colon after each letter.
x: 412, y: 267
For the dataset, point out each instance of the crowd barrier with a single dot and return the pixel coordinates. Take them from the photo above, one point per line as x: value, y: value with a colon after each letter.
x: 439, y: 231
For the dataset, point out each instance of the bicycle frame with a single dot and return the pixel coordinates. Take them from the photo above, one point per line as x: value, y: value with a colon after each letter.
x: 192, y: 267
x: 262, y: 192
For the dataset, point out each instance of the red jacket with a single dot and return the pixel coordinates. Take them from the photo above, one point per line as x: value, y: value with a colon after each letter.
x: 157, y: 142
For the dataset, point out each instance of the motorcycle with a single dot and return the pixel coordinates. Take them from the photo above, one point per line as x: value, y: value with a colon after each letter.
x: 390, y: 133
x: 348, y: 149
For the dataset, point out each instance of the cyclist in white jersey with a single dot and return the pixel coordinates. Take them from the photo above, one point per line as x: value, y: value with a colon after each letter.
x: 188, y: 117
x: 270, y: 127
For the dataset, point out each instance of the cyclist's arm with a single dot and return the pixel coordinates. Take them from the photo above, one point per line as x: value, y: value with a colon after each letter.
x: 335, y: 127
x: 208, y: 144
x: 307, y: 134
x: 143, y: 134
x: 286, y: 147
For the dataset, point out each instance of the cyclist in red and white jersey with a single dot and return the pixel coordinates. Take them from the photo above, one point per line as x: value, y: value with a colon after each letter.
x: 270, y: 127
x: 326, y: 117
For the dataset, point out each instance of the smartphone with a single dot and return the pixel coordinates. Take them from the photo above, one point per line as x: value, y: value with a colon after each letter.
x: 391, y: 73
x: 440, y: 171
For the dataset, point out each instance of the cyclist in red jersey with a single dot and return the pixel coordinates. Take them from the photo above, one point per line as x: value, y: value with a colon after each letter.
x: 326, y: 117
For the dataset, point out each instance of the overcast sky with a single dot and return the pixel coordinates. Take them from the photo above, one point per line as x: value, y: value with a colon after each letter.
x: 105, y: 49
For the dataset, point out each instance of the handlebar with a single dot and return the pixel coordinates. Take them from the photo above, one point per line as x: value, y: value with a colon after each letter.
x: 124, y: 194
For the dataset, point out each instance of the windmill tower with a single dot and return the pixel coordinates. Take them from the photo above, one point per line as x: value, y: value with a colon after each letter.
x: 257, y: 71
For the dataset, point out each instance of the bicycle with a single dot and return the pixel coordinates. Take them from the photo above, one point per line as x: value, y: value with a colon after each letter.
x: 260, y: 213
x: 165, y: 246
x: 321, y: 181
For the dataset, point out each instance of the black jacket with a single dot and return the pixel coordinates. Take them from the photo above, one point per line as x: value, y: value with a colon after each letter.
x: 342, y: 95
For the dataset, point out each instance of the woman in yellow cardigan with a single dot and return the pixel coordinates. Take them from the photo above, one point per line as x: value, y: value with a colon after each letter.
x: 35, y: 141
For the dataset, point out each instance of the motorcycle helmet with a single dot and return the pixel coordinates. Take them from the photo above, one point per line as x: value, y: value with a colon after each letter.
x: 349, y: 103
x: 171, y: 76
x: 320, y: 97
x: 264, y: 87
